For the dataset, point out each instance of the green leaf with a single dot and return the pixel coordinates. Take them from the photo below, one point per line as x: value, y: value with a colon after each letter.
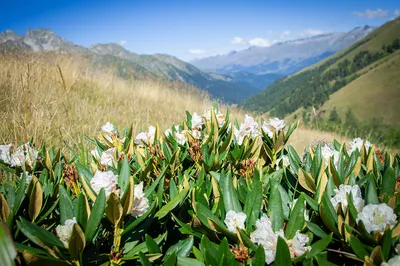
x: 259, y: 257
x: 209, y: 251
x: 296, y: 220
x: 328, y: 214
x: 282, y: 257
x: 316, y: 230
x: 388, y: 182
x: 77, y: 242
x: 167, y: 208
x: 358, y: 247
x: 129, y: 227
x: 275, y: 209
x: 20, y: 194
x: 252, y: 206
x: 319, y: 246
x: 229, y: 196
x: 152, y: 246
x: 66, y: 205
x: 81, y: 211
x: 246, y: 240
x: 35, y: 233
x: 386, y: 244
x: 114, y: 210
x: 306, y: 181
x: 8, y: 253
x: 95, y: 216
x: 183, y: 261
x: 371, y: 193
x: 123, y: 178
x: 181, y: 249
x: 144, y: 260
x: 171, y: 261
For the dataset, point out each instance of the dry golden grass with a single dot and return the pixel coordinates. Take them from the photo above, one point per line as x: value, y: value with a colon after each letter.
x: 57, y: 99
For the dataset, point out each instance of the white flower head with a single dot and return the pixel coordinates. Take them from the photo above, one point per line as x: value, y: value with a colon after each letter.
x: 341, y: 197
x: 195, y: 133
x: 234, y: 220
x: 327, y: 152
x: 180, y: 137
x: 24, y: 154
x: 298, y: 245
x: 266, y: 237
x: 220, y: 116
x: 5, y: 155
x: 140, y: 202
x: 285, y: 161
x: 376, y: 216
x: 249, y: 128
x: 274, y: 125
x: 64, y: 232
x: 108, y: 128
x: 197, y: 121
x: 395, y: 261
x: 146, y: 137
x: 106, y: 180
x: 357, y: 144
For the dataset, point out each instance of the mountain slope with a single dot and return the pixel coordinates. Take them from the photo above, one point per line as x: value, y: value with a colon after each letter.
x: 127, y: 64
x: 313, y: 86
x: 283, y: 58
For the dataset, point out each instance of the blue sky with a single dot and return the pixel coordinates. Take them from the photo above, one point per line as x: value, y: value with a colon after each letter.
x: 190, y: 29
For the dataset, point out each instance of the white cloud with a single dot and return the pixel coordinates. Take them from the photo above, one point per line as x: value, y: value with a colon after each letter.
x: 311, y: 32
x: 396, y: 12
x: 197, y: 51
x: 252, y: 42
x: 372, y: 14
x: 284, y: 34
x: 238, y: 40
x: 122, y: 42
x: 259, y: 42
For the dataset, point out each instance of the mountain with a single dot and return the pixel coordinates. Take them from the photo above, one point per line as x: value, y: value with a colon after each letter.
x: 128, y: 64
x: 285, y: 57
x: 361, y: 82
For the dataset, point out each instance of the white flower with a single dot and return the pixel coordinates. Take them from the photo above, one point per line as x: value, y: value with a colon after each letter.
x: 197, y: 121
x: 341, y: 197
x: 180, y: 137
x: 108, y: 128
x: 195, y: 133
x: 285, y: 161
x: 5, y: 153
x: 266, y: 237
x: 328, y: 152
x: 220, y: 116
x: 140, y: 202
x: 106, y: 180
x: 107, y: 157
x: 24, y: 154
x: 274, y: 125
x: 376, y: 216
x: 234, y: 220
x: 298, y: 245
x: 64, y: 232
x: 248, y: 128
x: 357, y: 144
x: 395, y: 261
x: 146, y: 137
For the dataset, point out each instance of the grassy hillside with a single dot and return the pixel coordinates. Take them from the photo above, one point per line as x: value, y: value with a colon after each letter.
x: 57, y: 98
x: 359, y: 84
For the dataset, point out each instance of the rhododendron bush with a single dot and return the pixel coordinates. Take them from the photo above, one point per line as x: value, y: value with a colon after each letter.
x: 208, y: 191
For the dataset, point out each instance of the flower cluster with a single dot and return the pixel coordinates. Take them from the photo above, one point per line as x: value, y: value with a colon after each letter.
x: 328, y: 152
x: 23, y: 155
x: 64, y: 232
x: 273, y: 126
x: 146, y: 138
x: 106, y: 180
x: 358, y: 143
x: 140, y: 202
x: 235, y: 220
x: 265, y: 236
x: 107, y: 157
x: 341, y: 197
x: 376, y: 217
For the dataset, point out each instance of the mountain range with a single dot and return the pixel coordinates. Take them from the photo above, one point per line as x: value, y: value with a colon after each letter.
x: 283, y: 58
x: 233, y: 79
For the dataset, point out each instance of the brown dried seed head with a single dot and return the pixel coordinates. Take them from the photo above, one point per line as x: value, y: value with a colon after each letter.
x: 241, y: 253
x: 70, y: 174
x: 380, y: 156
